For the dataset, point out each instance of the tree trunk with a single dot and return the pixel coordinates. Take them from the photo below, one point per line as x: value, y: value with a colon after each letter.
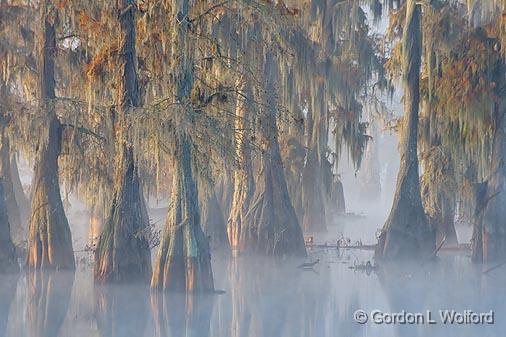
x: 271, y: 227
x: 406, y: 233
x: 243, y: 174
x: 13, y: 212
x: 184, y: 260
x: 493, y: 217
x: 313, y: 189
x: 8, y: 258
x: 123, y: 252
x: 49, y: 240
x: 213, y: 220
x: 19, y: 194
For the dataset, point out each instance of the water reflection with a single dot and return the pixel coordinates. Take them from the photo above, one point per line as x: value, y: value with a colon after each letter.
x: 121, y: 310
x: 48, y: 295
x: 180, y: 315
x: 263, y: 298
x: 8, y: 284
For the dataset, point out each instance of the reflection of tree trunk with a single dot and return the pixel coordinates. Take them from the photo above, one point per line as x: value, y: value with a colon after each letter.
x: 182, y: 314
x: 271, y: 226
x: 48, y: 299
x: 184, y: 260
x: 49, y: 240
x: 8, y: 285
x: 213, y: 221
x: 123, y: 252
x: 493, y: 223
x: 121, y: 311
x: 406, y: 232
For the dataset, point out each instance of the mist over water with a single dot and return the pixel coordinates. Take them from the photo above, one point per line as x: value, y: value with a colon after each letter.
x: 263, y: 298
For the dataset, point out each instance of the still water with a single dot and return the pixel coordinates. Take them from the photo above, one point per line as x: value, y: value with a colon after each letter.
x: 263, y: 298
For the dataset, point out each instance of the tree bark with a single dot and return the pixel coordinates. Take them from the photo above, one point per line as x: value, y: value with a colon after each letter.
x: 313, y: 189
x: 271, y: 227
x: 13, y: 212
x: 213, y: 220
x: 123, y: 252
x: 8, y: 258
x: 492, y: 220
x: 243, y: 174
x: 406, y: 233
x: 184, y: 259
x: 49, y: 240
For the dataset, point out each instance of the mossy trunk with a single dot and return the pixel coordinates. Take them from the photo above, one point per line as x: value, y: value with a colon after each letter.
x: 18, y: 231
x: 49, y: 240
x: 493, y: 219
x: 313, y: 187
x: 123, y: 253
x: 407, y: 233
x: 97, y: 221
x: 184, y: 260
x: 243, y: 174
x: 8, y: 258
x: 48, y: 299
x: 270, y: 226
x: 49, y: 237
x: 213, y: 220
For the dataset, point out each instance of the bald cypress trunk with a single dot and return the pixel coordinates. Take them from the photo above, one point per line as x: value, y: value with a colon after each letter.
x: 123, y: 252
x: 8, y: 258
x: 243, y: 174
x: 406, y: 233
x: 184, y: 259
x: 13, y: 211
x: 49, y: 240
x: 271, y: 227
x: 489, y: 235
x: 213, y: 220
x: 313, y: 188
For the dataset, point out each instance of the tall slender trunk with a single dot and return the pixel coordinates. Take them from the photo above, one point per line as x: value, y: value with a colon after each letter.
x: 313, y: 189
x: 123, y: 252
x: 8, y: 258
x: 490, y: 228
x: 49, y: 240
x: 271, y: 227
x: 406, y: 233
x: 243, y: 174
x: 184, y: 259
x: 13, y: 212
x: 212, y: 219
